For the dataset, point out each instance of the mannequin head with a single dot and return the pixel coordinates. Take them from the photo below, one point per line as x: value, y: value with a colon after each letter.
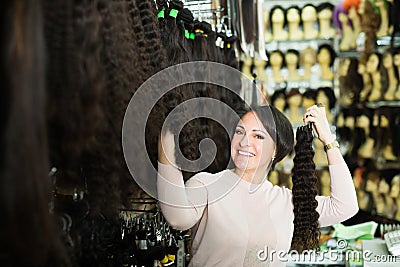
x: 292, y: 58
x: 340, y: 15
x: 373, y: 63
x: 325, y: 11
x: 351, y: 7
x: 326, y: 96
x: 293, y: 14
x: 344, y: 67
x: 309, y: 98
x: 375, y: 66
x: 361, y: 69
x: 278, y: 99
x: 396, y: 58
x: 348, y: 4
x: 351, y: 82
x: 276, y: 58
x: 308, y: 57
x: 395, y: 187
x: 388, y: 62
x: 309, y: 13
x: 364, y: 119
x: 294, y: 98
x: 326, y: 55
x: 277, y: 15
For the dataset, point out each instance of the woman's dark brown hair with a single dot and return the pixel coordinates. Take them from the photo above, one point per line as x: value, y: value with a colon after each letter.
x: 306, y: 227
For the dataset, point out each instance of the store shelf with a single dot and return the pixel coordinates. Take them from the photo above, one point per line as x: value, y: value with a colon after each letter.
x: 296, y: 44
x: 383, y: 103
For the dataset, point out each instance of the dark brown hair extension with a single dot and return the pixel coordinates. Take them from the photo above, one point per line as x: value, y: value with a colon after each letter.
x: 306, y: 227
x: 64, y: 85
x: 249, y: 20
x: 370, y: 22
x: 28, y: 232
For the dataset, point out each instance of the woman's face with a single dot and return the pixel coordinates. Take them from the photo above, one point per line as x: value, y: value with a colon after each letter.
x: 372, y: 63
x: 252, y: 147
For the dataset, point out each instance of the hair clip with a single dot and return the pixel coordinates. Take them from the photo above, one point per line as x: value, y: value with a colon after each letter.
x: 161, y: 14
x: 173, y: 13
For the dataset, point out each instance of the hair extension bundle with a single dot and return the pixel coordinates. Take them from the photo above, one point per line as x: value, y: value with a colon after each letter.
x: 28, y: 232
x: 306, y: 226
x: 249, y: 20
x: 370, y: 22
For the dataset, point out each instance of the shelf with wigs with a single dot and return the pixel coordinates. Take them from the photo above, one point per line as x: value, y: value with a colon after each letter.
x: 373, y: 82
x: 311, y: 67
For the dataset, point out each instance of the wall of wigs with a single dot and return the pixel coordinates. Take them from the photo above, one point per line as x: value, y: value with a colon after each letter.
x: 344, y: 54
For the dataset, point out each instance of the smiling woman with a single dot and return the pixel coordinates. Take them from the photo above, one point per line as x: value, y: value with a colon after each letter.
x: 235, y: 213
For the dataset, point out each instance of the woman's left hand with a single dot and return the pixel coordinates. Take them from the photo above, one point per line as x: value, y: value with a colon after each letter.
x: 317, y: 116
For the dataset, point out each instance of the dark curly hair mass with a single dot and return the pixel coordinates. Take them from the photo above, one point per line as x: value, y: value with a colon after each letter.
x: 306, y: 227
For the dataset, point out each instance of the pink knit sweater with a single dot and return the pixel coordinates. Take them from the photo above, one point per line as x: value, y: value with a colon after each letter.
x: 232, y: 222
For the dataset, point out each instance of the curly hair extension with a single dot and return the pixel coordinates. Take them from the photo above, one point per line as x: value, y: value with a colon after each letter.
x: 306, y: 227
x: 64, y: 82
x: 24, y: 166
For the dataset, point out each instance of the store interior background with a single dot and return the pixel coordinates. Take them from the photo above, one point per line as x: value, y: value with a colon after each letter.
x: 70, y: 69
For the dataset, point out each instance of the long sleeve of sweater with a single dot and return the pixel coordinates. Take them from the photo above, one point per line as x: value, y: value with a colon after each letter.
x: 342, y: 203
x: 182, y: 204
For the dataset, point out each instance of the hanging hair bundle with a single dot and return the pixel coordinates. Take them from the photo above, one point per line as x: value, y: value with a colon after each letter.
x: 306, y: 227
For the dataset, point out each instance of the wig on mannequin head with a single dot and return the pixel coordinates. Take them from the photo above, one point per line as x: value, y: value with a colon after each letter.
x: 352, y: 83
x: 328, y: 91
x: 325, y: 5
x: 295, y: 53
x: 306, y: 226
x: 331, y: 51
x: 394, y: 19
x: 279, y: 53
x: 271, y: 14
x: 347, y: 4
x: 336, y: 12
x: 308, y: 6
x: 370, y: 22
x: 395, y: 128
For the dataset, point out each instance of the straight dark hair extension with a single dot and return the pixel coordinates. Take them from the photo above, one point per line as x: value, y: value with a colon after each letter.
x: 249, y: 15
x: 306, y: 227
x: 27, y: 228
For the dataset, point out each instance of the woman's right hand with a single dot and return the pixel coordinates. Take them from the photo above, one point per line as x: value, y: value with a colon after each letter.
x: 166, y: 148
